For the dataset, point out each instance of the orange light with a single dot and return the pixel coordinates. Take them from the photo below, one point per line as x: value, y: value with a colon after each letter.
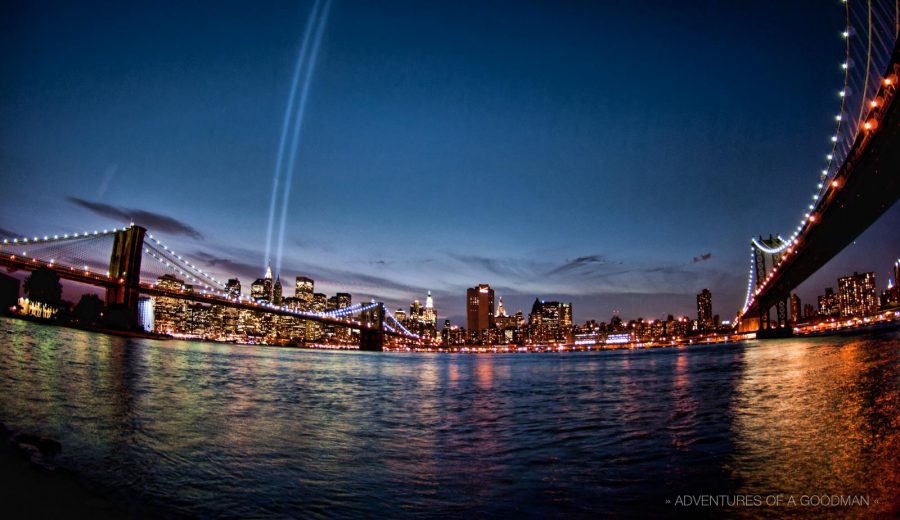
x: 812, y: 218
x: 835, y: 183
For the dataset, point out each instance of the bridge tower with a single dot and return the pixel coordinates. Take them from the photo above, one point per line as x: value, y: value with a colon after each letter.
x: 373, y: 339
x: 125, y: 271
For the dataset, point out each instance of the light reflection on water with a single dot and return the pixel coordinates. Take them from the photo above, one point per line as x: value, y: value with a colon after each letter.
x: 224, y: 430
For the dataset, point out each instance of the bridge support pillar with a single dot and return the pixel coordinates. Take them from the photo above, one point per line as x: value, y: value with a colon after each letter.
x: 125, y: 273
x: 372, y: 339
x: 763, y: 317
x: 781, y: 311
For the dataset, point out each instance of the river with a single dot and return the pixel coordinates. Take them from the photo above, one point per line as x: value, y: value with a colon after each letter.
x: 210, y: 430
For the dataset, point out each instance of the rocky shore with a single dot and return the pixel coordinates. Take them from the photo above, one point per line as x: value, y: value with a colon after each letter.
x: 33, y: 486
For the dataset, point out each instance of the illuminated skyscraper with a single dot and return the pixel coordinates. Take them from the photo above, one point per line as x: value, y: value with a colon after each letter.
x: 261, y: 289
x: 314, y: 329
x: 896, y: 280
x: 828, y: 303
x: 276, y: 291
x: 479, y: 310
x: 796, y: 313
x: 303, y: 291
x: 704, y: 310
x: 550, y: 321
x: 429, y: 314
x: 856, y: 295
x: 169, y: 313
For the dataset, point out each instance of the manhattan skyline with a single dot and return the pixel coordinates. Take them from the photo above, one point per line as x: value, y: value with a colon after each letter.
x: 437, y: 154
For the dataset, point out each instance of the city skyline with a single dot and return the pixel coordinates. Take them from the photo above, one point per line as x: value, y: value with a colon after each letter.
x: 511, y: 133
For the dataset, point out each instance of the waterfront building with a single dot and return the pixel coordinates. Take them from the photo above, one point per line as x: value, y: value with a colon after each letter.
x: 315, y: 330
x: 479, y: 311
x: 704, y: 310
x: 342, y: 301
x: 796, y: 314
x: 261, y: 289
x: 303, y: 291
x: 828, y: 304
x: 857, y: 296
x: 550, y: 322
x: 145, y: 313
x: 169, y: 313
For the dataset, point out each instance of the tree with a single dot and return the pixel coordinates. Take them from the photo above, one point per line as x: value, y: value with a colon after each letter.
x: 89, y: 309
x: 43, y: 286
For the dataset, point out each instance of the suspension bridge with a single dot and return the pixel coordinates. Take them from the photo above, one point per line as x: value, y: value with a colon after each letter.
x: 138, y: 263
x: 859, y: 181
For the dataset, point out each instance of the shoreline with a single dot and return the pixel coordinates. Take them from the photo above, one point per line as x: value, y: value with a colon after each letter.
x: 481, y: 349
x: 32, y: 491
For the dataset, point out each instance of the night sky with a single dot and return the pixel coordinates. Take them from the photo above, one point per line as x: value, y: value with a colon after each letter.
x: 618, y: 155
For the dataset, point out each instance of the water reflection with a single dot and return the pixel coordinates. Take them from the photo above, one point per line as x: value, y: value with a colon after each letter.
x: 821, y: 420
x: 224, y: 430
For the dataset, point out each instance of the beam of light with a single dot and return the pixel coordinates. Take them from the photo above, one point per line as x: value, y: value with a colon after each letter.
x: 276, y: 177
x: 298, y: 125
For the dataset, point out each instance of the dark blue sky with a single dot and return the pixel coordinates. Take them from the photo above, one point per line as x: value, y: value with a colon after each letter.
x: 614, y: 154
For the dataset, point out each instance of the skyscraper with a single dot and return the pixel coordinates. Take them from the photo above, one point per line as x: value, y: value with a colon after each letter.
x: 704, y: 310
x: 550, y: 321
x: 896, y: 280
x: 344, y: 300
x: 828, y: 303
x: 796, y: 313
x: 276, y: 291
x: 261, y: 289
x: 429, y: 314
x: 303, y: 291
x: 169, y: 313
x: 479, y: 310
x: 856, y: 295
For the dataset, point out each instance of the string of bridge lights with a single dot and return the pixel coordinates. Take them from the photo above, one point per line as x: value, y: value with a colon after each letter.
x: 58, y: 237
x: 187, y: 263
x: 400, y: 325
x: 190, y: 271
x: 823, y: 187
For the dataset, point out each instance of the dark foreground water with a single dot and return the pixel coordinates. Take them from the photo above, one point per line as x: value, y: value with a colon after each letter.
x: 218, y: 430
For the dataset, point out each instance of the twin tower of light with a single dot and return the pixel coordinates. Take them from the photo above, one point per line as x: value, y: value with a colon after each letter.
x: 292, y: 126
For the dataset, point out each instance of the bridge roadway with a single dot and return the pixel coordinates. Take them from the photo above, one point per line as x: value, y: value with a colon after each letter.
x: 16, y: 262
x: 869, y: 184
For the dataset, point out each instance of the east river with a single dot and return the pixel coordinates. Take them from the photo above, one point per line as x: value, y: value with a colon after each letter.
x: 214, y: 430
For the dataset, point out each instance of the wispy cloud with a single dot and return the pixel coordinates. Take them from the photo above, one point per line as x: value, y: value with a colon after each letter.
x: 577, y: 263
x: 5, y: 233
x: 702, y: 258
x: 154, y: 221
